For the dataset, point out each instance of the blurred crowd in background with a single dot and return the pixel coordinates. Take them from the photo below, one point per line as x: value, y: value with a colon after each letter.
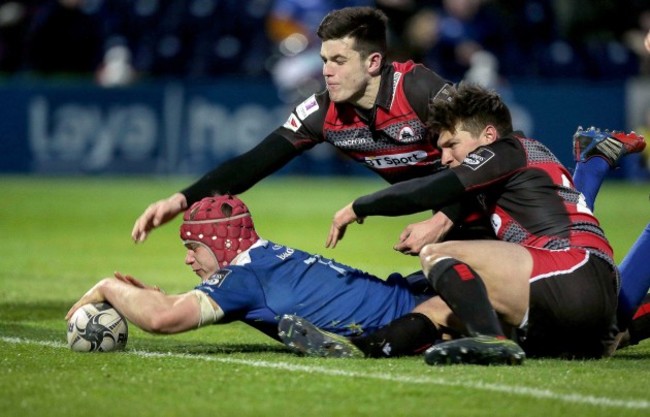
x: 118, y: 42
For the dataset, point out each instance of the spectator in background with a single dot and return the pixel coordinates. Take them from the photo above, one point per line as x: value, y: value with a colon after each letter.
x: 296, y: 65
x: 65, y: 37
x: 15, y: 18
x: 446, y: 34
x: 190, y: 38
x: 119, y: 39
x: 466, y: 27
x: 593, y: 35
x: 420, y: 36
x: 202, y: 39
x: 637, y: 38
x: 410, y: 32
x: 532, y: 26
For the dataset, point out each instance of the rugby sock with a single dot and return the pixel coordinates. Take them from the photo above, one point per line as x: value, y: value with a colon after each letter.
x: 464, y: 292
x: 588, y: 177
x: 639, y: 328
x: 635, y: 278
x: 408, y: 335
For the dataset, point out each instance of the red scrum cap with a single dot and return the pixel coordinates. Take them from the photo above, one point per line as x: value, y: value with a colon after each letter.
x: 222, y: 223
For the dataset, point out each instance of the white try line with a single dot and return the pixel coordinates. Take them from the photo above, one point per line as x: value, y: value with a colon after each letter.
x: 425, y: 380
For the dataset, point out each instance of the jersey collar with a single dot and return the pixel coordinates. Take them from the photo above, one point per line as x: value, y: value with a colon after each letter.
x: 245, y: 257
x: 386, y: 89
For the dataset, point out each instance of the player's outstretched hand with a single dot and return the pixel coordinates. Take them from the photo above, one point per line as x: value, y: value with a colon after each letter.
x: 415, y: 236
x: 92, y: 296
x: 340, y: 223
x: 156, y: 215
x: 128, y: 279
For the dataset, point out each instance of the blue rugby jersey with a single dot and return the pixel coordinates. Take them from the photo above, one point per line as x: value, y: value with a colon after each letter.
x: 271, y: 280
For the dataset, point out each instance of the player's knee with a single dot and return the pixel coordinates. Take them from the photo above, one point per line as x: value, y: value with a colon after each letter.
x: 429, y: 255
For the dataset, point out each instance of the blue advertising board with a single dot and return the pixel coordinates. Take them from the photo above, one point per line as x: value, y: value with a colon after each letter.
x: 180, y: 128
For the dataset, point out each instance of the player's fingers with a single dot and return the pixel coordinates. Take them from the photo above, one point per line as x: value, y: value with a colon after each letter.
x: 335, y: 234
x: 330, y: 238
x: 139, y: 231
x: 133, y: 281
x: 157, y: 219
x: 70, y: 312
x: 138, y: 236
x: 145, y: 223
x: 408, y: 246
x: 135, y: 231
x: 403, y: 247
x: 340, y: 235
x: 157, y: 214
x: 87, y: 298
x: 403, y: 240
x: 127, y: 279
x: 141, y: 221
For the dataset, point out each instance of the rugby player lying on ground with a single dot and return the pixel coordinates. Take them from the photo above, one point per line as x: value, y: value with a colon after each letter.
x: 256, y: 281
x: 246, y: 278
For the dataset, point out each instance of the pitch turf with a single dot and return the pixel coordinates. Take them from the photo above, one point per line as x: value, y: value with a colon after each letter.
x: 58, y: 236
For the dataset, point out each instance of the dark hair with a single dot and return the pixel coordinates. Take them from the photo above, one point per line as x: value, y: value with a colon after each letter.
x: 473, y: 107
x: 366, y: 25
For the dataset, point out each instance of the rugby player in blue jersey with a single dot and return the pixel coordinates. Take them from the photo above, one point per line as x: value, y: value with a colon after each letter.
x: 256, y: 281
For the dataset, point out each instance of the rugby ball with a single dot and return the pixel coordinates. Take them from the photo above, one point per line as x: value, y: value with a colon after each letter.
x: 97, y: 328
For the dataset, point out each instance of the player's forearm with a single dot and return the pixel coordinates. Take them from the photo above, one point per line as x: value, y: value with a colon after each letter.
x: 413, y: 196
x: 240, y: 173
x: 150, y: 310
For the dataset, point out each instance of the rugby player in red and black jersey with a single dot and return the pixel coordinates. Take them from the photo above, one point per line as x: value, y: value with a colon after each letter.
x: 551, y: 272
x: 373, y: 111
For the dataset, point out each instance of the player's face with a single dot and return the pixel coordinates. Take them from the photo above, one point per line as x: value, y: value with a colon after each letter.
x: 201, y: 260
x: 456, y: 146
x: 346, y: 73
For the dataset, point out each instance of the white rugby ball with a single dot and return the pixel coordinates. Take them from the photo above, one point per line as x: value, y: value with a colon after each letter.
x: 97, y: 328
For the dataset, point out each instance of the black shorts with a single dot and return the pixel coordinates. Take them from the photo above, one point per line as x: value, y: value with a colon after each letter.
x: 573, y: 315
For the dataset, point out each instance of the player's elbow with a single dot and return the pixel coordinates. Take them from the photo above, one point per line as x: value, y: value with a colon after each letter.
x: 163, y: 323
x: 173, y: 314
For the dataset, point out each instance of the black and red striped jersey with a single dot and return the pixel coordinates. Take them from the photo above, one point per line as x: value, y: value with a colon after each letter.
x: 392, y: 138
x: 524, y: 189
x: 530, y: 196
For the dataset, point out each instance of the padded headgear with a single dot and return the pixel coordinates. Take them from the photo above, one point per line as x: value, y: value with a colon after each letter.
x: 222, y: 223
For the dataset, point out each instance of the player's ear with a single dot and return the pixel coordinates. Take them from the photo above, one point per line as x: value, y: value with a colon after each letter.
x: 374, y: 62
x: 490, y: 134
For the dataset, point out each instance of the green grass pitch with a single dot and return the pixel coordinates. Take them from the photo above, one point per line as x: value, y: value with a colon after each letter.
x: 58, y: 236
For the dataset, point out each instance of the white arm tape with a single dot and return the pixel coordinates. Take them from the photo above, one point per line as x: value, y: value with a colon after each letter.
x: 210, y: 313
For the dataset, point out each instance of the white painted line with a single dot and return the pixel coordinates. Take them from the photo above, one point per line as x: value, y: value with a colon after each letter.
x: 409, y: 379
